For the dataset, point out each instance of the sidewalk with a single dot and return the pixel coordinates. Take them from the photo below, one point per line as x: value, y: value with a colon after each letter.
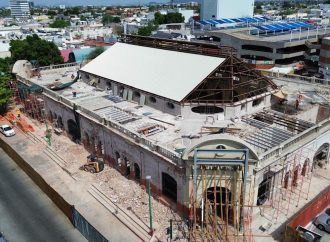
x: 75, y: 192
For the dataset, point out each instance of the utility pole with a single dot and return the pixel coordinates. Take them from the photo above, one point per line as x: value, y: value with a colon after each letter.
x: 148, y: 178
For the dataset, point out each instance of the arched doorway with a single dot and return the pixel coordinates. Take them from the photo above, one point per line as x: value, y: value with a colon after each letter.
x: 74, y: 130
x: 99, y: 149
x: 137, y: 172
x: 128, y: 167
x: 286, y: 179
x: 50, y: 116
x: 264, y: 190
x: 305, y: 168
x: 60, y: 122
x: 169, y: 187
x: 86, y: 140
x: 295, y: 176
x: 221, y: 198
x: 321, y: 156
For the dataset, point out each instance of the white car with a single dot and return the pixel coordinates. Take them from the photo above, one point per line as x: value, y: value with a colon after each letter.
x: 7, y: 130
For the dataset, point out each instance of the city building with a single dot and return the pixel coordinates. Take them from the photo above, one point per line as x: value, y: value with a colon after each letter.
x: 19, y: 8
x: 265, y: 47
x: 226, y: 9
x: 214, y: 134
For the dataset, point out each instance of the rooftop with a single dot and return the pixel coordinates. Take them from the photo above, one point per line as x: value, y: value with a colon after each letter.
x: 263, y: 130
x: 270, y: 36
x: 146, y: 65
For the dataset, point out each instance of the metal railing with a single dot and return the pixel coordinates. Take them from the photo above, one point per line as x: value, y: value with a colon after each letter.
x: 279, y: 75
x: 52, y: 67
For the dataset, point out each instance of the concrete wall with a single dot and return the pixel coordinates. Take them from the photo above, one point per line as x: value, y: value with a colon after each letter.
x: 161, y: 103
x: 208, y: 9
x: 227, y: 9
x: 295, y: 158
x: 231, y: 111
x: 112, y: 144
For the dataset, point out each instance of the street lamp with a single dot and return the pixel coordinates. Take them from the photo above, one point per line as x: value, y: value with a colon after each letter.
x: 148, y: 178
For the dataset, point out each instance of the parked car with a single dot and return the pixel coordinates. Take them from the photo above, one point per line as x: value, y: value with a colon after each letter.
x: 7, y: 130
x: 323, y: 222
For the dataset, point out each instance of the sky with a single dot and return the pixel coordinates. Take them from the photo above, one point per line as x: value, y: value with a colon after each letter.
x: 5, y: 3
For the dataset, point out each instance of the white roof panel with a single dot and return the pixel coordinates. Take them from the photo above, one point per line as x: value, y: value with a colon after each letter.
x: 164, y: 73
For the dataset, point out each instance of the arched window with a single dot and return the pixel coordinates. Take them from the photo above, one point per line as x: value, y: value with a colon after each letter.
x: 220, y: 147
x: 169, y: 186
x: 137, y: 172
x: 305, y: 168
x: 170, y: 105
x: 264, y: 191
x: 152, y: 99
x: 286, y: 180
x: 74, y: 130
x: 257, y: 102
x: 295, y: 176
x: 137, y: 94
x: 207, y: 109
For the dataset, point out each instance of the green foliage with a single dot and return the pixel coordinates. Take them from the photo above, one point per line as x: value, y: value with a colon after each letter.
x: 147, y: 30
x: 258, y: 5
x: 258, y: 9
x: 4, y: 13
x: 5, y: 64
x: 60, y: 24
x: 152, y: 8
x: 5, y: 93
x: 51, y: 13
x: 116, y: 19
x: 107, y: 19
x: 73, y: 11
x: 95, y: 53
x: 168, y: 18
x: 34, y: 48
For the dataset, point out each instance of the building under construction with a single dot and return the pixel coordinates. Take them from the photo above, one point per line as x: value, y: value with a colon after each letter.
x: 195, y: 118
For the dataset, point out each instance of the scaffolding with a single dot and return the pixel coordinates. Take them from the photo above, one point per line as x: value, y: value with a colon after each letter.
x: 286, y: 184
x: 232, y: 81
x: 220, y: 209
x: 29, y: 100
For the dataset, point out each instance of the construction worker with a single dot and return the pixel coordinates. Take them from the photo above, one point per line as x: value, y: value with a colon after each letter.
x: 297, y: 104
x: 18, y: 114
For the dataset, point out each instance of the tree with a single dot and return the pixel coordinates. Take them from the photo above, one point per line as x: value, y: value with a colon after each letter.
x: 51, y: 13
x: 60, y: 24
x: 35, y: 49
x: 107, y: 19
x: 147, y: 30
x: 5, y: 93
x: 116, y: 19
x: 152, y: 8
x: 168, y: 18
x: 5, y: 64
x: 73, y: 11
x: 4, y: 13
x: 95, y: 53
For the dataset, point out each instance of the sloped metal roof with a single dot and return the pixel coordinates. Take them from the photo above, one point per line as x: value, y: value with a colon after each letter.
x: 169, y: 74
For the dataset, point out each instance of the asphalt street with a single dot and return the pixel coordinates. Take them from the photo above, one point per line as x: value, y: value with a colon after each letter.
x: 26, y: 213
